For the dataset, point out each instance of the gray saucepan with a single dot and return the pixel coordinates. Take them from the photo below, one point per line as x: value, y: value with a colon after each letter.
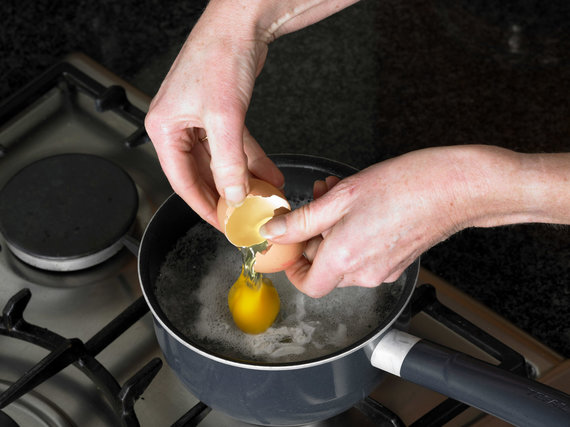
x: 305, y: 391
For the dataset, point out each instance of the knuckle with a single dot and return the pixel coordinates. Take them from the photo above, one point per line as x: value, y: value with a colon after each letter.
x: 313, y: 292
x: 297, y: 222
x: 303, y: 219
x: 216, y: 116
x: 370, y: 279
x: 345, y: 258
x: 229, y: 167
x: 152, y: 123
x: 224, y: 118
x: 364, y: 278
x: 177, y: 187
x: 158, y: 123
x: 346, y: 189
x: 181, y: 188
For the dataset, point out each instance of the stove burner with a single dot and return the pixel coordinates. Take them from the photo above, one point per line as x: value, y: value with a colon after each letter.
x: 67, y: 212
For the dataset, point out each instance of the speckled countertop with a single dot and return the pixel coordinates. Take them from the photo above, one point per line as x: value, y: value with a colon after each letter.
x: 377, y: 80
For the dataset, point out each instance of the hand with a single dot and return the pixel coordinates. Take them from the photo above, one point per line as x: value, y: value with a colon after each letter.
x: 367, y: 228
x: 207, y: 92
x: 371, y: 226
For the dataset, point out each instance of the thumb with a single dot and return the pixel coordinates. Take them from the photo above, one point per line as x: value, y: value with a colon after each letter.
x: 229, y: 161
x: 301, y: 224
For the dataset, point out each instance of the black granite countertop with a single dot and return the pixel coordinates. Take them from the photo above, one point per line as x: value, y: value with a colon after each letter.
x: 377, y: 80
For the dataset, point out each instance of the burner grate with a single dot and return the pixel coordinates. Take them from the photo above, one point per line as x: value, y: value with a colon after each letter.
x: 65, y: 351
x: 194, y: 416
x: 378, y: 413
x: 72, y: 79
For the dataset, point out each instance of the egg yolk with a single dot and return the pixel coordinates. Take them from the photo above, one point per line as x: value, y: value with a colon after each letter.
x: 254, y: 306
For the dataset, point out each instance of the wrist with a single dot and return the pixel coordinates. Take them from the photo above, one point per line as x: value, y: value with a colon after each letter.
x: 502, y: 187
x: 545, y: 179
x: 266, y: 20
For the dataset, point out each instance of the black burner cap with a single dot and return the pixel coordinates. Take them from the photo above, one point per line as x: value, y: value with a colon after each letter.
x: 67, y: 206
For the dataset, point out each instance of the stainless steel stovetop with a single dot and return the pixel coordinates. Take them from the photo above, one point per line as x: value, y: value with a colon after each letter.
x: 78, y: 304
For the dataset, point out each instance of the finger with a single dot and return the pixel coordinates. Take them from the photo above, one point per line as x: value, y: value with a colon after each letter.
x: 401, y: 267
x: 301, y: 275
x: 395, y: 276
x: 319, y: 189
x: 259, y: 164
x: 371, y: 275
x: 328, y: 268
x: 358, y: 279
x: 229, y: 162
x: 184, y: 176
x: 297, y: 271
x: 331, y: 181
x: 339, y: 262
x: 311, y: 219
x: 201, y: 154
x: 312, y: 247
x: 200, y: 135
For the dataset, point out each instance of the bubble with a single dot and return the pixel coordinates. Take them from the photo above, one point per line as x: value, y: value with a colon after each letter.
x: 192, y: 289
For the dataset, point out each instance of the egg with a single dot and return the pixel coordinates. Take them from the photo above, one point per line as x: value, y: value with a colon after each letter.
x: 241, y: 226
x: 254, y: 307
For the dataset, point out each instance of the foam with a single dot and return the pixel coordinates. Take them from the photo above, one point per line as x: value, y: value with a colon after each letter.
x: 192, y: 290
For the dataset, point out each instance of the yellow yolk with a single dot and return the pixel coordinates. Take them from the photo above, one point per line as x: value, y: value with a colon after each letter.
x: 254, y: 307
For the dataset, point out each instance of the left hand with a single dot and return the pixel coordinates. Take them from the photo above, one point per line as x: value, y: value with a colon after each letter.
x: 206, y: 93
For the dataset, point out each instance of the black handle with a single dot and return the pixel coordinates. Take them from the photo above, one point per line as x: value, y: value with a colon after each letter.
x: 515, y: 399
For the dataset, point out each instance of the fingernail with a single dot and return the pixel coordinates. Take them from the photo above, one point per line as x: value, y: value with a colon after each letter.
x: 274, y: 228
x: 234, y: 195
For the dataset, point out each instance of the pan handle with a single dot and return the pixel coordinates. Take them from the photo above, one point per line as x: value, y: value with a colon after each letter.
x: 515, y: 399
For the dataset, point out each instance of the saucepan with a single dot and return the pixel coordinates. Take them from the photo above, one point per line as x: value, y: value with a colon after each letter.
x: 300, y: 377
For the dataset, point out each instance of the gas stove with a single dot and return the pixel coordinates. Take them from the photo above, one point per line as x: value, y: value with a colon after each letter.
x: 77, y: 345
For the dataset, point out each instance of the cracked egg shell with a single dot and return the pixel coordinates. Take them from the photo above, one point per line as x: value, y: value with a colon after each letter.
x: 241, y: 225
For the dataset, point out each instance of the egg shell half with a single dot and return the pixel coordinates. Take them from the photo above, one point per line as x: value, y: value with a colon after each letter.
x: 272, y: 202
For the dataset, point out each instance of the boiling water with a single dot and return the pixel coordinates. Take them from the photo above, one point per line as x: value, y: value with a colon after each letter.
x: 192, y: 290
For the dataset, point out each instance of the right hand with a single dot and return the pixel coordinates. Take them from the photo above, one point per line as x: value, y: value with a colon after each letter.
x: 207, y: 92
x: 369, y: 227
